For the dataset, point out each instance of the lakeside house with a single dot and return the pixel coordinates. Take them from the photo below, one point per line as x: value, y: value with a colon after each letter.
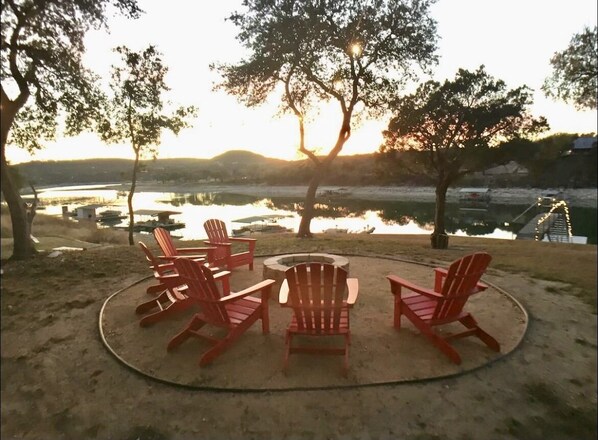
x: 582, y: 145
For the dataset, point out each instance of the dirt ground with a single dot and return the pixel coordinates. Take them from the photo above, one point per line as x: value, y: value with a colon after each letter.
x: 60, y: 382
x: 378, y: 354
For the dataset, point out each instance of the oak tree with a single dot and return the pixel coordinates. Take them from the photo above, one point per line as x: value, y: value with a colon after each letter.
x: 574, y: 77
x: 445, y: 130
x: 136, y: 111
x: 353, y: 52
x: 43, y: 79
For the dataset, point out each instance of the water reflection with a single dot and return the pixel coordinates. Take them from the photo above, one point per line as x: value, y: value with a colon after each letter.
x: 209, y: 199
x: 495, y: 221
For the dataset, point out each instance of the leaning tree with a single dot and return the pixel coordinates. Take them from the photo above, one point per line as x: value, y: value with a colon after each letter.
x: 575, y: 71
x: 136, y: 113
x: 348, y: 51
x: 445, y: 130
x: 43, y: 78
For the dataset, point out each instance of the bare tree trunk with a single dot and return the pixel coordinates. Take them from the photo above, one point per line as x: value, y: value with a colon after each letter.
x: 439, y: 238
x: 308, y: 208
x: 130, y: 198
x: 321, y: 167
x: 23, y: 246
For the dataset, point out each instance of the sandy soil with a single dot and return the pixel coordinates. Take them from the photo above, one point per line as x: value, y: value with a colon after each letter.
x: 59, y: 382
x: 378, y: 353
x: 581, y: 197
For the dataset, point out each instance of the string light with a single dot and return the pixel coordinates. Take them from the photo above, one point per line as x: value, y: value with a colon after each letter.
x: 554, y: 207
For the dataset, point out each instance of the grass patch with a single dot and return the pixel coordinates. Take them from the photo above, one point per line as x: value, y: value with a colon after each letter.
x: 571, y: 264
x: 49, y: 226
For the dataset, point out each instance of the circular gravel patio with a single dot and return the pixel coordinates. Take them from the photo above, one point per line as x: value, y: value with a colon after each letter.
x: 379, y: 354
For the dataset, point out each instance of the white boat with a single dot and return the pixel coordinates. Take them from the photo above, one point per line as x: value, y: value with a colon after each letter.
x: 260, y: 224
x: 267, y: 228
x: 475, y: 195
x: 164, y: 221
x: 335, y: 193
x: 335, y: 231
x: 110, y: 216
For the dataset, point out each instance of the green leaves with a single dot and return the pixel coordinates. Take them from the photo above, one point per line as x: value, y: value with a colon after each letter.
x: 41, y: 56
x: 347, y: 50
x: 135, y: 113
x: 575, y: 71
x: 455, y: 121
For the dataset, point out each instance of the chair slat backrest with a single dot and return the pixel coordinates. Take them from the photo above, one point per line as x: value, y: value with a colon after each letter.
x: 155, y: 265
x: 216, y: 230
x: 202, y: 288
x: 317, y: 295
x: 460, y: 282
x: 164, y: 240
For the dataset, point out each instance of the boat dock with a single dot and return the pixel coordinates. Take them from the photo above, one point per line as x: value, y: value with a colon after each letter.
x: 535, y: 229
x: 553, y: 225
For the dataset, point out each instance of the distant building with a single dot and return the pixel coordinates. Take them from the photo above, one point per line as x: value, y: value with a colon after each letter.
x: 583, y: 145
x: 87, y: 212
x: 511, y: 169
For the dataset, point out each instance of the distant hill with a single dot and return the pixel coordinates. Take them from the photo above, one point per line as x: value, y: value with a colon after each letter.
x: 549, y: 161
x: 230, y: 166
x: 236, y: 166
x: 242, y: 156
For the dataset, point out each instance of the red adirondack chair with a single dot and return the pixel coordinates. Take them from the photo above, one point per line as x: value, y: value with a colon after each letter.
x: 320, y: 295
x: 203, y: 255
x: 171, y: 294
x: 223, y: 256
x: 427, y: 308
x: 171, y: 252
x: 235, y: 312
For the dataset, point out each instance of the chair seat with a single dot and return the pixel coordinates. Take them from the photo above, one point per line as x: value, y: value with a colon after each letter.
x: 238, y: 311
x: 423, y: 307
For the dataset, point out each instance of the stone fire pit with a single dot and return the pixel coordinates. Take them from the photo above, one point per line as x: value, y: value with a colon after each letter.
x: 275, y: 267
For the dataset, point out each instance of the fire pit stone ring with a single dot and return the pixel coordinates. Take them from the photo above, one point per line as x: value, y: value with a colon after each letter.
x: 275, y: 267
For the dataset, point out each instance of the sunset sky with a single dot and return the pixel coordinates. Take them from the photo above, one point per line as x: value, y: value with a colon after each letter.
x: 514, y: 39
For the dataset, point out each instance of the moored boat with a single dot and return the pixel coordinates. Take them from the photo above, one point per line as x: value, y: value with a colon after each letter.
x: 163, y: 221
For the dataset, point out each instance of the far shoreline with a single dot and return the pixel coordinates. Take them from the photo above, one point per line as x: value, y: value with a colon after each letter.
x: 575, y: 197
x: 578, y: 197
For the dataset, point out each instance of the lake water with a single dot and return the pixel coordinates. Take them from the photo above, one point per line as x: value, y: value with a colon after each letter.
x: 387, y: 217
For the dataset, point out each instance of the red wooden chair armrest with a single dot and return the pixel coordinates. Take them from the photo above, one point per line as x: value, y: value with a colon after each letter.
x: 196, y: 258
x: 221, y: 274
x: 283, y: 294
x: 353, y: 287
x: 398, y: 281
x: 245, y: 239
x: 263, y: 286
x: 195, y: 249
x: 218, y: 244
x: 167, y: 265
x: 173, y: 276
x: 208, y: 252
